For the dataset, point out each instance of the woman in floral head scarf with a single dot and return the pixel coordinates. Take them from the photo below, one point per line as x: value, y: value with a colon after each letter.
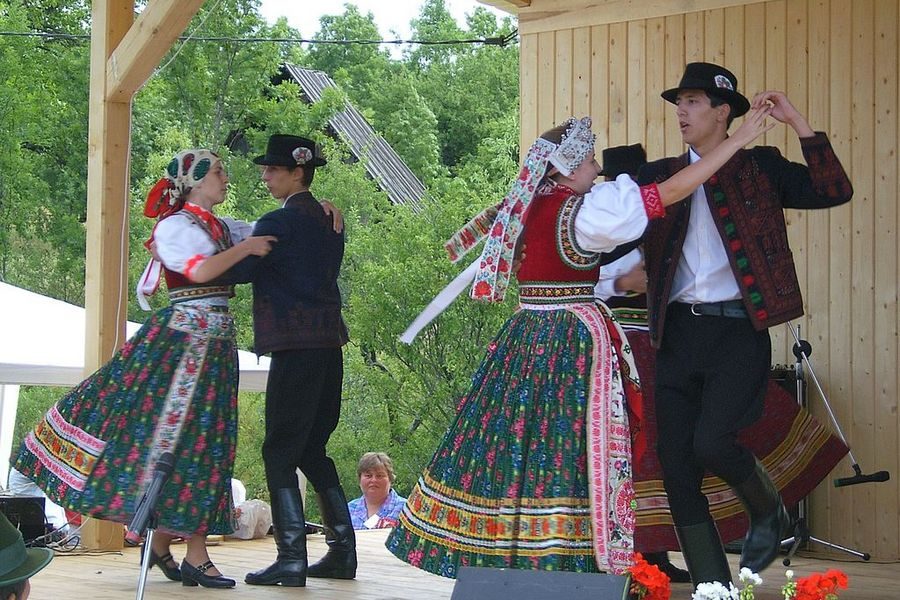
x: 171, y: 388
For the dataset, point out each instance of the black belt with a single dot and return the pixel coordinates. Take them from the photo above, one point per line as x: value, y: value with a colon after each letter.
x: 729, y: 308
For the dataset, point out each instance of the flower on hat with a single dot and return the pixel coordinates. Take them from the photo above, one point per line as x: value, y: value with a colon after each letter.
x: 723, y: 82
x: 302, y: 155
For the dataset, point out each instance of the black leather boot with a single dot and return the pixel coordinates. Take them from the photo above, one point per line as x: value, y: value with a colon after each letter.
x: 290, y: 568
x: 662, y: 562
x: 340, y: 560
x: 769, y: 520
x: 703, y: 553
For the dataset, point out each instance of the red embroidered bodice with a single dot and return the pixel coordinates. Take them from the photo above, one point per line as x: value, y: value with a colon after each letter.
x: 555, y: 269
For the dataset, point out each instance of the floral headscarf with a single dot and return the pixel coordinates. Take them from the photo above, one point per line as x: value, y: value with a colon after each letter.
x: 184, y: 172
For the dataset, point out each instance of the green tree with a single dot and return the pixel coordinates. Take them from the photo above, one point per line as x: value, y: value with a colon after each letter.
x: 43, y: 149
x: 467, y: 86
x: 449, y: 110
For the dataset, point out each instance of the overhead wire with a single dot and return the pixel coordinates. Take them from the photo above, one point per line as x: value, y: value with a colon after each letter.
x: 501, y: 41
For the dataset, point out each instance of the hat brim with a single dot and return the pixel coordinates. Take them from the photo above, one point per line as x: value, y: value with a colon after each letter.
x: 278, y: 161
x: 739, y: 104
x: 35, y: 560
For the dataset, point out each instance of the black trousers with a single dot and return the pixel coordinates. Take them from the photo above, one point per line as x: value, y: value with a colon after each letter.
x: 303, y: 405
x: 711, y: 376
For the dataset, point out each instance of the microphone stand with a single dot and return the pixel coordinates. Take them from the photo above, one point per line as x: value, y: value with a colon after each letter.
x: 145, y: 558
x: 145, y: 515
x: 802, y: 349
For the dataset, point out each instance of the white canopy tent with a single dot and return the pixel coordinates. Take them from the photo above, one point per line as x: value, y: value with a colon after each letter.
x: 42, y: 343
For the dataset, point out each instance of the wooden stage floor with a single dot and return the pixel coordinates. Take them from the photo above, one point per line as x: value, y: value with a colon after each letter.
x: 381, y: 576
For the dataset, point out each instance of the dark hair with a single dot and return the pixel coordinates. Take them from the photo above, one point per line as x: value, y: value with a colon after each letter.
x: 306, y: 177
x: 308, y: 174
x: 716, y: 100
x: 17, y: 588
x: 556, y: 134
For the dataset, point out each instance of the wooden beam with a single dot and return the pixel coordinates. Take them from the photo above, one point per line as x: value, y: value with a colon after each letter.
x: 144, y: 45
x: 553, y: 15
x: 106, y: 274
x: 107, y: 191
x: 510, y: 6
x: 109, y: 147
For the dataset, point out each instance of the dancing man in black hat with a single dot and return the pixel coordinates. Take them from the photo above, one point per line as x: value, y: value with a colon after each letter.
x: 720, y: 272
x: 297, y: 318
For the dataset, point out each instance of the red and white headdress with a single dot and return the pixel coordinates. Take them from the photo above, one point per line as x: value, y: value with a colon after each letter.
x: 501, y: 224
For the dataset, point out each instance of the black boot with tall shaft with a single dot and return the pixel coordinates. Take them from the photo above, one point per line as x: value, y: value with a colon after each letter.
x: 703, y: 553
x: 290, y: 568
x: 340, y: 560
x: 769, y: 520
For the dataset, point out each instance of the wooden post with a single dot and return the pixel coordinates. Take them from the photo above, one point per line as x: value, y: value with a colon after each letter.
x: 124, y: 52
x: 106, y: 278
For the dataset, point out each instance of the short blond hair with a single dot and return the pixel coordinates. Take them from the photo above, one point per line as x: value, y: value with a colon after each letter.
x: 372, y: 460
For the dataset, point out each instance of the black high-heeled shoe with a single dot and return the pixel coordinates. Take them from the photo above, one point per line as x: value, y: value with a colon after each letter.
x: 192, y: 576
x: 172, y: 573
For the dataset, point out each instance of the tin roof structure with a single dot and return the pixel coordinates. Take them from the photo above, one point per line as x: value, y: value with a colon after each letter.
x: 381, y: 161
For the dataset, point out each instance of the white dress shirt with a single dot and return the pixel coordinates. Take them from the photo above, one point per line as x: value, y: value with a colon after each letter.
x: 606, y: 284
x: 704, y: 273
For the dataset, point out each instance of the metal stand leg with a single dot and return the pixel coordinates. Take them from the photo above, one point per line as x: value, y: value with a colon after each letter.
x: 802, y: 349
x: 145, y: 559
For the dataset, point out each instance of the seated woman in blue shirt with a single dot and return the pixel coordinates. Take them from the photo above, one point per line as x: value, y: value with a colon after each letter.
x: 379, y: 506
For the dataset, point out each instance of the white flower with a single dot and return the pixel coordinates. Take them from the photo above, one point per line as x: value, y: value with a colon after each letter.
x: 715, y: 591
x: 748, y: 576
x: 789, y: 574
x: 302, y: 155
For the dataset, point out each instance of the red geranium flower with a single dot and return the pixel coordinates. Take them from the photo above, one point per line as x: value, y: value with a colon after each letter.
x: 647, y: 581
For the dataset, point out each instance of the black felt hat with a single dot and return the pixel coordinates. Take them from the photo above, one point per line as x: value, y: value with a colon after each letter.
x: 712, y: 79
x: 291, y: 151
x: 623, y: 159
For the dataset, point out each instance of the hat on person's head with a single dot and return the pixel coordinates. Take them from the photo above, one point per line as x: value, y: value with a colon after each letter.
x: 623, y: 159
x: 712, y: 79
x: 291, y: 151
x: 16, y: 561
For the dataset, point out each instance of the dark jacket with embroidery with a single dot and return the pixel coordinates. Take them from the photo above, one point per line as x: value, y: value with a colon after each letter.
x: 296, y: 300
x: 746, y: 197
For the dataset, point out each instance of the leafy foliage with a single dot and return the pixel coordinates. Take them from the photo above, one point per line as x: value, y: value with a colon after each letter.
x: 450, y: 111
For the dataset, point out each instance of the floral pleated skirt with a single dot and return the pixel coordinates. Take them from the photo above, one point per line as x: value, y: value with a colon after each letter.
x: 171, y: 388
x: 519, y: 481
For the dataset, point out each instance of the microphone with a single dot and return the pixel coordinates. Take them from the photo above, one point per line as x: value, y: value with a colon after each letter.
x: 161, y: 474
x: 860, y: 478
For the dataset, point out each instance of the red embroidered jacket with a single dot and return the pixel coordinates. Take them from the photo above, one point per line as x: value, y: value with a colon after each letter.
x: 746, y: 197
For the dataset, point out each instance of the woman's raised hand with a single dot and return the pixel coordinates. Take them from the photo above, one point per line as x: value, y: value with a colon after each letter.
x: 259, y: 245
x: 755, y: 124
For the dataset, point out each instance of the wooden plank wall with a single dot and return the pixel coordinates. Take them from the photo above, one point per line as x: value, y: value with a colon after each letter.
x: 838, y: 62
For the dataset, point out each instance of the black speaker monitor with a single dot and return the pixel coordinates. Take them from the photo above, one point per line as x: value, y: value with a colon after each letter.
x: 479, y: 583
x: 26, y: 513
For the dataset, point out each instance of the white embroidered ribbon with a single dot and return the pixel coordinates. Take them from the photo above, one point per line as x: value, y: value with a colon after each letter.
x: 440, y: 303
x: 489, y: 275
x: 148, y: 283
